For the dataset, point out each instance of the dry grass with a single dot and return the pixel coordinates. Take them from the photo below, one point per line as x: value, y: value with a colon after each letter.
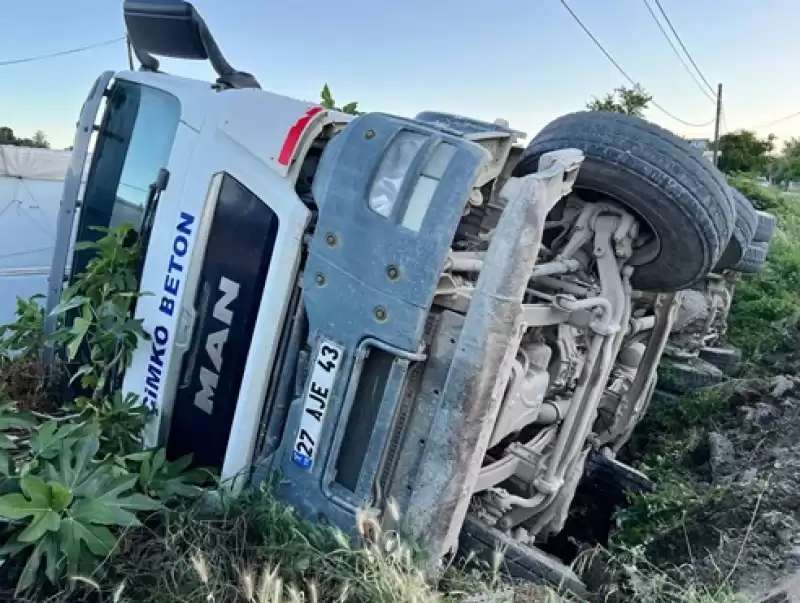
x: 25, y: 382
x: 256, y: 550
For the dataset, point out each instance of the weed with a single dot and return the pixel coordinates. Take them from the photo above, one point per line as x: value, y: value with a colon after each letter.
x: 24, y: 338
x: 766, y: 306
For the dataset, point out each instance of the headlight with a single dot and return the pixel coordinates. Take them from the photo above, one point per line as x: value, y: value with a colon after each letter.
x: 392, y: 171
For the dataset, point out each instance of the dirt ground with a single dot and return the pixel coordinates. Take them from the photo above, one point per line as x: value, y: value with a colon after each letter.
x: 750, y: 538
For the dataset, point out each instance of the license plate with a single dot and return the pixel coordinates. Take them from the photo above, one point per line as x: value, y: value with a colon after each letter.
x: 315, y: 404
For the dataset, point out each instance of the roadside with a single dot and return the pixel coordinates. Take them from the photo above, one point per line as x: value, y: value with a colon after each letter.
x: 727, y: 512
x: 724, y: 520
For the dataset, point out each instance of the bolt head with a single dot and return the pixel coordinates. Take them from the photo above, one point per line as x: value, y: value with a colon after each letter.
x: 320, y: 279
x: 393, y: 272
x: 331, y: 239
x: 381, y: 314
x: 369, y: 134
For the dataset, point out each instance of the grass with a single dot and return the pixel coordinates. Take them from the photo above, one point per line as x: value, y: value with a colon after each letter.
x: 671, y: 444
x: 667, y: 445
x: 255, y: 549
x: 766, y: 306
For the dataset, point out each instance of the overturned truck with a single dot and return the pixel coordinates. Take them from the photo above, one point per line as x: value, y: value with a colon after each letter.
x: 416, y: 313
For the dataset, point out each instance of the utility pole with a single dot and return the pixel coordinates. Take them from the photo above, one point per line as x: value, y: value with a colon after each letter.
x: 716, y: 124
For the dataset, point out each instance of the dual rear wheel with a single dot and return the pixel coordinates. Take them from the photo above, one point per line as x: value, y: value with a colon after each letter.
x: 687, y: 210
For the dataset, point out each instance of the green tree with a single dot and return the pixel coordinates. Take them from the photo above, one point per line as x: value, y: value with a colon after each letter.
x: 630, y: 101
x: 786, y: 167
x: 39, y: 139
x: 744, y: 151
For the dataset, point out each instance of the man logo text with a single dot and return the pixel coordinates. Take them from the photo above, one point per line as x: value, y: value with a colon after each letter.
x: 215, y: 344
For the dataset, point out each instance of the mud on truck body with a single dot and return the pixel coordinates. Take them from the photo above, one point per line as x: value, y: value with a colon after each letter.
x: 381, y: 310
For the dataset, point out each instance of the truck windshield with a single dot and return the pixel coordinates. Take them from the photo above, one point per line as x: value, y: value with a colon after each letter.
x: 134, y: 141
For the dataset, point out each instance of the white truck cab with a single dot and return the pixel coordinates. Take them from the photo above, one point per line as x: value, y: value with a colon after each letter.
x: 218, y: 169
x: 215, y: 178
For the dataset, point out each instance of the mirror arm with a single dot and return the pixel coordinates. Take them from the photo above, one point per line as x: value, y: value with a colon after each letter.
x: 148, y: 61
x: 228, y: 76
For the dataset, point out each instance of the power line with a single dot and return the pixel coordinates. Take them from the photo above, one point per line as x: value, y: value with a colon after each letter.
x: 61, y: 53
x: 677, y: 37
x: 774, y: 121
x: 624, y: 73
x: 711, y: 97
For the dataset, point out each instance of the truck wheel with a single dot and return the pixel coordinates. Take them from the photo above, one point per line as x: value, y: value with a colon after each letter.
x: 728, y: 360
x: 520, y: 561
x: 688, y: 376
x: 753, y: 260
x: 765, y: 228
x: 744, y: 229
x: 684, y: 204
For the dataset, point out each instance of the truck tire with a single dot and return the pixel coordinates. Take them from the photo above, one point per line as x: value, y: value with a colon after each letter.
x: 688, y: 376
x: 744, y: 229
x: 753, y: 260
x: 765, y: 228
x: 683, y: 201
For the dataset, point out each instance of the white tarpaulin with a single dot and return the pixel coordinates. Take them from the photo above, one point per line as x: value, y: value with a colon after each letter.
x: 31, y: 183
x: 33, y: 164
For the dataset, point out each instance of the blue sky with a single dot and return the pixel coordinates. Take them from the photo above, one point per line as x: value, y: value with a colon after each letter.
x: 525, y: 60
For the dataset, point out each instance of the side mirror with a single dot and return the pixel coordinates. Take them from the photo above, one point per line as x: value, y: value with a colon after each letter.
x: 173, y: 28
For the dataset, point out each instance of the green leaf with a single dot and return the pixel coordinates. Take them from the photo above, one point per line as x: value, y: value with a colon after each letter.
x: 42, y: 523
x: 139, y: 502
x: 179, y: 466
x: 16, y: 506
x: 31, y: 569
x: 94, y: 512
x: 15, y: 420
x: 35, y: 488
x: 109, y: 508
x: 75, y: 464
x: 139, y: 456
x: 5, y: 464
x: 98, y: 539
x: 79, y: 329
x: 49, y: 438
x: 327, y: 99
x: 144, y: 471
x: 60, y: 497
x: 13, y: 547
x: 34, y: 501
x: 350, y: 108
x: 52, y: 556
x: 159, y: 459
x: 84, y: 370
x: 68, y: 304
